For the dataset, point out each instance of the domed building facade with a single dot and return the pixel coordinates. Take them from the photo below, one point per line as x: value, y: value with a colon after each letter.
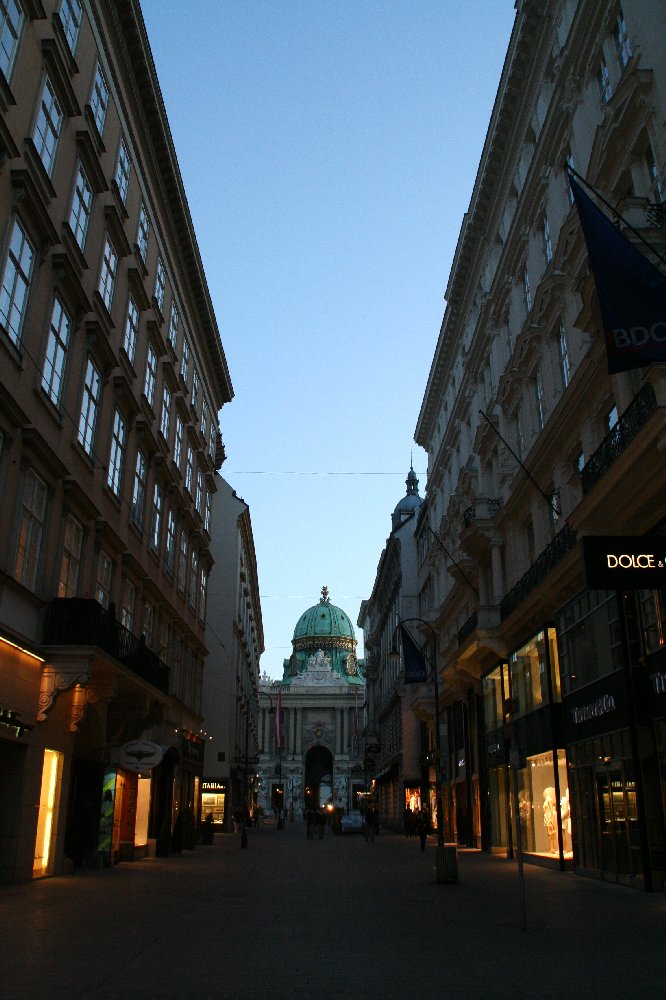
x: 310, y: 721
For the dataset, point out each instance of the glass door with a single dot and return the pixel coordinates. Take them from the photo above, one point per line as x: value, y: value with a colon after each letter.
x: 618, y: 822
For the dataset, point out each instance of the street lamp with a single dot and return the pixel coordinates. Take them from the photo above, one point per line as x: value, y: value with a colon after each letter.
x: 394, y: 657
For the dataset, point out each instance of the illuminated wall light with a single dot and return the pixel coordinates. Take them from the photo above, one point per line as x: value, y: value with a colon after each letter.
x: 8, y: 642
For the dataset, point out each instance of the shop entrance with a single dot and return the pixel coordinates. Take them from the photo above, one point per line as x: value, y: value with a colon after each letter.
x: 617, y: 816
x: 318, y: 776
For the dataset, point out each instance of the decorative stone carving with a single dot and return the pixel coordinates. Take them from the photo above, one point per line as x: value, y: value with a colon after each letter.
x: 57, y: 679
x: 84, y: 696
x: 318, y: 733
x: 319, y: 671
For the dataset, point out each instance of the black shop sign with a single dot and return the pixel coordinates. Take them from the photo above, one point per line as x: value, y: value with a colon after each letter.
x: 624, y: 562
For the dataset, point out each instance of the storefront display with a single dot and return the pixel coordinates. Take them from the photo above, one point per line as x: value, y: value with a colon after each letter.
x: 213, y: 798
x: 540, y: 807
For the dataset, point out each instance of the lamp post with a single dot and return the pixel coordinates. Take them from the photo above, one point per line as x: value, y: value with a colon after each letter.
x: 447, y: 867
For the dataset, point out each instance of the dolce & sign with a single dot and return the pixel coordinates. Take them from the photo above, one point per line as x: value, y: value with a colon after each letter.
x: 624, y: 562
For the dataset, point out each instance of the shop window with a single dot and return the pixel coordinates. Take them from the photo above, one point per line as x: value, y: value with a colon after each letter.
x: 653, y: 614
x: 47, y: 815
x: 589, y: 639
x: 495, y: 693
x: 529, y: 668
x: 541, y: 810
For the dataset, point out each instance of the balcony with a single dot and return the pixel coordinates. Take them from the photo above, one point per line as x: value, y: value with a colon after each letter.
x: 84, y: 622
x: 563, y: 542
x: 628, y: 426
x: 483, y: 509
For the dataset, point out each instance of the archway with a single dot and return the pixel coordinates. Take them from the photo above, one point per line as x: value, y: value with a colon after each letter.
x: 318, y: 777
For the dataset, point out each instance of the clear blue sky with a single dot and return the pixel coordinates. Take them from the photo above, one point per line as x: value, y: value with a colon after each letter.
x: 328, y: 150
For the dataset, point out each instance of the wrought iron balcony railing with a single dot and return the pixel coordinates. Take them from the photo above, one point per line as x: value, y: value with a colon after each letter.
x: 83, y: 622
x: 563, y: 542
x: 485, y: 508
x: 632, y: 420
x: 469, y: 626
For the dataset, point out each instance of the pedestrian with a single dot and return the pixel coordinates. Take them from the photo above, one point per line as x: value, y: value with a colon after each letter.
x: 422, y: 828
x: 407, y: 819
x: 371, y: 824
x: 321, y: 822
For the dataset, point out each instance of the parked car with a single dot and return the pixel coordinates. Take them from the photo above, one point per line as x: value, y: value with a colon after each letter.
x: 351, y: 822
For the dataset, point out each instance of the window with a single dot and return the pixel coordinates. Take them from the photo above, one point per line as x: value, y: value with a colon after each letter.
x: 207, y: 516
x: 178, y: 443
x: 166, y: 412
x: 527, y: 294
x: 203, y: 594
x: 118, y: 437
x: 11, y: 22
x: 189, y: 469
x: 160, y: 284
x: 103, y: 584
x: 621, y: 38
x: 139, y: 491
x: 107, y: 276
x: 151, y: 374
x: 182, y: 564
x: 563, y: 351
x: 89, y: 406
x: 603, y: 81
x: 173, y: 325
x: 131, y: 329
x: 71, y: 558
x: 547, y: 241
x: 156, y: 518
x: 195, y: 390
x: 123, y: 170
x: 81, y: 207
x: 518, y: 434
x: 200, y: 490
x: 148, y: 624
x: 56, y: 352
x: 204, y: 418
x: 212, y: 439
x: 16, y: 282
x: 185, y: 362
x: 193, y: 592
x: 170, y: 542
x: 47, y: 126
x: 129, y: 605
x: 33, y: 509
x: 143, y: 233
x: 538, y: 398
x: 70, y: 18
x: 99, y: 100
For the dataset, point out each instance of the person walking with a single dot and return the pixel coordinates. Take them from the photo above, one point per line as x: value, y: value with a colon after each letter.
x: 422, y: 828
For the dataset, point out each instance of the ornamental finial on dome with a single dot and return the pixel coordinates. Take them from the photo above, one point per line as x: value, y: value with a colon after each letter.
x: 412, y: 483
x: 324, y: 599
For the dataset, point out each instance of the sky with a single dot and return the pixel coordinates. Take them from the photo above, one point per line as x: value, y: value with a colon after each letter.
x: 328, y: 150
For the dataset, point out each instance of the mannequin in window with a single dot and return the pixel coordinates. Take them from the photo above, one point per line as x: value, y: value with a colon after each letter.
x: 550, y: 818
x: 565, y: 813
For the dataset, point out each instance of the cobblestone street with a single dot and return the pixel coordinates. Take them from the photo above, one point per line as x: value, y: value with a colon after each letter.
x: 292, y: 918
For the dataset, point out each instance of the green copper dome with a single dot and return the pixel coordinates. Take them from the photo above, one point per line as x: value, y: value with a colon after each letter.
x: 324, y: 647
x: 324, y: 620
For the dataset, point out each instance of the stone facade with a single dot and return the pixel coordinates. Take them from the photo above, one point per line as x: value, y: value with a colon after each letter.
x: 532, y: 445
x: 111, y: 379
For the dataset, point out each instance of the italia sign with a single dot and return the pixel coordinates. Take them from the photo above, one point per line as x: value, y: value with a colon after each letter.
x: 624, y: 562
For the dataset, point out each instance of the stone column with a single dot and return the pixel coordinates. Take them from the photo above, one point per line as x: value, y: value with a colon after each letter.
x: 345, y: 730
x: 498, y: 587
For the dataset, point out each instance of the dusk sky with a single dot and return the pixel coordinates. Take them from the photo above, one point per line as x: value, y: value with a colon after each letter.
x: 328, y: 150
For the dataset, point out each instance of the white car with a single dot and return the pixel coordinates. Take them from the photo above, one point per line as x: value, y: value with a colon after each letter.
x: 351, y: 822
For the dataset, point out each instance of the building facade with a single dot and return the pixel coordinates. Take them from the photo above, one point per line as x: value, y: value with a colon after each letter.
x: 398, y: 721
x: 235, y: 640
x: 309, y: 743
x: 111, y: 378
x: 553, y: 692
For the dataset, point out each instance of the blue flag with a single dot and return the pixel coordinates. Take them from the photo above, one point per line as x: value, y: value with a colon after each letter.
x: 416, y: 668
x: 631, y: 291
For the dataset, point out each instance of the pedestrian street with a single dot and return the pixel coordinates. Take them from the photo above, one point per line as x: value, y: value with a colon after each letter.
x: 341, y: 917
